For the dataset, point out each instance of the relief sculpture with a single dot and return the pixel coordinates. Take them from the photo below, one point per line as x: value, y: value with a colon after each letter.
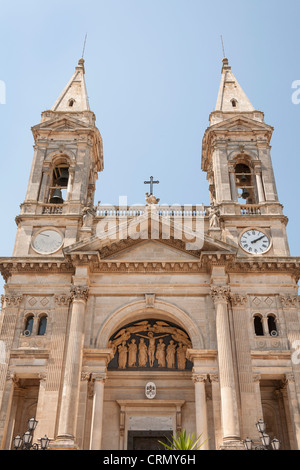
x: 150, y: 344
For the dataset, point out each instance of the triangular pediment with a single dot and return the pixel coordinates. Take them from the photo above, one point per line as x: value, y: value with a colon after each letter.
x: 240, y: 123
x: 163, y: 241
x: 62, y: 123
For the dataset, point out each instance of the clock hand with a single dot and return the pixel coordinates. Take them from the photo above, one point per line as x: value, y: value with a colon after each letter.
x: 254, y: 241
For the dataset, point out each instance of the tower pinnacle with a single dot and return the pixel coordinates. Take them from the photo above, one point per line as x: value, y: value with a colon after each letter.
x: 231, y: 97
x: 74, y: 97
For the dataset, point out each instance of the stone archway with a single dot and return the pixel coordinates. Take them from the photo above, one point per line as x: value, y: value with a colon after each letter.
x: 138, y: 311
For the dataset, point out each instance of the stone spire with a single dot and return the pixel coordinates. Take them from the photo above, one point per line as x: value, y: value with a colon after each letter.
x: 231, y: 97
x: 74, y: 97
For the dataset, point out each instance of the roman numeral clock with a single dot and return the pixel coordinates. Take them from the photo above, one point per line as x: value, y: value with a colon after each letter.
x: 255, y: 242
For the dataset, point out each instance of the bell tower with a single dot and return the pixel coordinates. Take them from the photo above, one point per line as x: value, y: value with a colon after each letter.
x: 68, y: 154
x: 236, y: 155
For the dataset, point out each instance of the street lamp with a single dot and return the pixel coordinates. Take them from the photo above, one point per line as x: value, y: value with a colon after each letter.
x: 25, y: 442
x: 265, y: 439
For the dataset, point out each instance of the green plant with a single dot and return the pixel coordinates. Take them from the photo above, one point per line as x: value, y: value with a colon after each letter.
x: 182, y: 441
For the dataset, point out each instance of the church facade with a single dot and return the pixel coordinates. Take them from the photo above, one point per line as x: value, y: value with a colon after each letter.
x: 122, y: 325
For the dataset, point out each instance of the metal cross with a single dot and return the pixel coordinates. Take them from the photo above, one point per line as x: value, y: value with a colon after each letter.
x: 151, y: 182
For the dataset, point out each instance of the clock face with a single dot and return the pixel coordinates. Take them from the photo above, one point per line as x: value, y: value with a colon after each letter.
x: 255, y: 242
x: 47, y: 241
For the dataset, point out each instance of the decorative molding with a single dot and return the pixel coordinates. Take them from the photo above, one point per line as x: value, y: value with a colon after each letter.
x: 150, y: 300
x: 11, y: 300
x: 10, y: 266
x: 63, y: 299
x: 289, y: 301
x: 238, y: 300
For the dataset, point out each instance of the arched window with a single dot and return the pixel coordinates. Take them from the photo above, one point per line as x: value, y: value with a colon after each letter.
x: 244, y: 183
x: 258, y: 326
x: 272, y: 327
x: 42, y: 325
x: 29, y: 325
x: 234, y: 103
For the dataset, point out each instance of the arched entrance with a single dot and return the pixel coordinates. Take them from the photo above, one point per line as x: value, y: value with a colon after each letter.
x: 149, y: 348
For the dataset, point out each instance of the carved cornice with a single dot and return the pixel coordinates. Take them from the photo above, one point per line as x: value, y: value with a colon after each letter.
x: 202, y: 264
x: 10, y: 266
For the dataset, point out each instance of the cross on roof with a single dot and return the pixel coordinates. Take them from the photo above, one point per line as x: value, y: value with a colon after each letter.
x: 151, y: 182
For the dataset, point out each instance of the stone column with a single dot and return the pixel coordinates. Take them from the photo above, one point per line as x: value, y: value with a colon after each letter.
x: 72, y: 373
x: 41, y: 428
x: 97, y: 416
x: 9, y: 314
x: 256, y: 383
x: 201, y: 409
x: 230, y: 423
x: 244, y: 363
x: 234, y: 193
x: 7, y: 425
x: 293, y: 407
x: 291, y: 314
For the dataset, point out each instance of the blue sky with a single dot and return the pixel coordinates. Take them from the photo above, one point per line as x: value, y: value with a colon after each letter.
x: 152, y: 73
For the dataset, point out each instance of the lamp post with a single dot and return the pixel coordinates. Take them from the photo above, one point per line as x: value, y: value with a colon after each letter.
x: 25, y: 442
x: 265, y: 439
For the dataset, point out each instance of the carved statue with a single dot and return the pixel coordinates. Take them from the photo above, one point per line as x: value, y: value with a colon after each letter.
x: 160, y: 354
x: 181, y: 356
x: 171, y: 349
x: 214, y: 214
x: 150, y: 199
x: 132, y: 351
x: 122, y: 355
x: 142, y: 344
x: 89, y: 213
x: 143, y: 355
x: 151, y: 348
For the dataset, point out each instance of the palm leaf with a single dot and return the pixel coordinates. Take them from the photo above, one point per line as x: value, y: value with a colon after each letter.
x: 182, y: 441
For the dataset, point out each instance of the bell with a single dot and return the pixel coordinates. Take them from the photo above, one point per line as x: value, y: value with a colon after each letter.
x: 245, y: 193
x: 56, y: 197
x: 243, y: 178
x: 62, y: 180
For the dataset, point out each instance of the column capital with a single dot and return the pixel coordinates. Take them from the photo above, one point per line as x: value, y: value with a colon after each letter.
x: 238, y: 300
x: 214, y: 378
x: 63, y: 299
x: 11, y: 300
x: 79, y: 293
x: 220, y: 294
x: 99, y: 377
x: 289, y: 301
x: 199, y: 378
